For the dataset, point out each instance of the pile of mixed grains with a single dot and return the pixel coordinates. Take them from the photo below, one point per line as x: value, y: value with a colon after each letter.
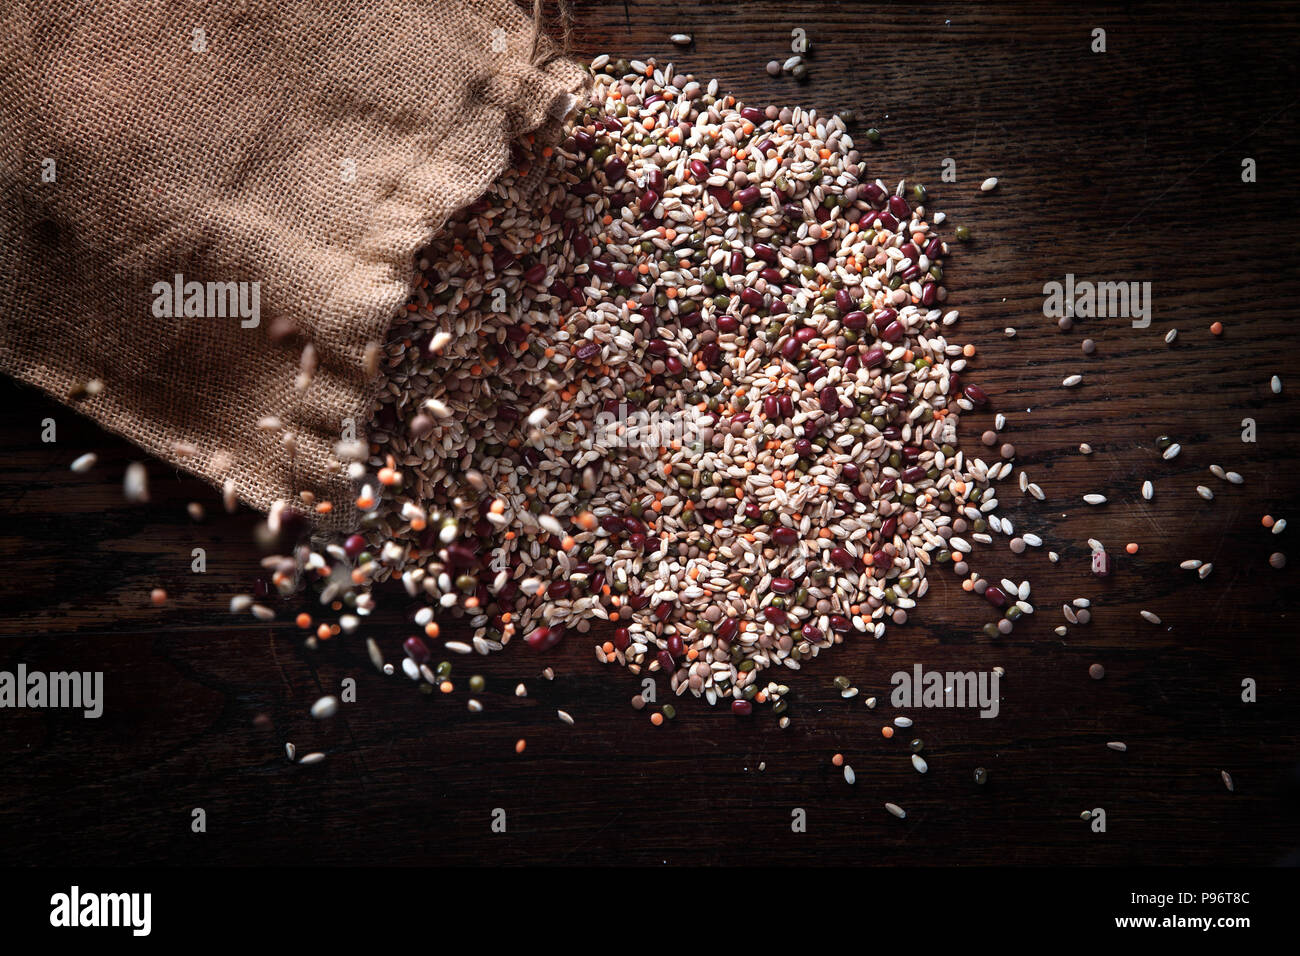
x: 686, y: 371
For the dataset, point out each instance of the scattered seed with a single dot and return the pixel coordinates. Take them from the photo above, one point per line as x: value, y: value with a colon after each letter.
x: 1172, y: 451
x: 135, y: 483
x: 1277, y: 559
x: 896, y: 810
x: 681, y: 39
x: 564, y: 716
x: 849, y: 776
x: 1150, y: 617
x: 1227, y: 780
x: 1096, y: 671
x: 1071, y: 380
x: 1095, y: 499
x: 325, y: 707
x: 1148, y: 490
x: 919, y: 763
x: 989, y: 184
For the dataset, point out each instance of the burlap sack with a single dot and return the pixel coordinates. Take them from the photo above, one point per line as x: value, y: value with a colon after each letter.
x: 303, y: 151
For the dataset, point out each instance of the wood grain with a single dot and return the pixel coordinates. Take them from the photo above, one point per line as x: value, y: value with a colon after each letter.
x: 1121, y: 166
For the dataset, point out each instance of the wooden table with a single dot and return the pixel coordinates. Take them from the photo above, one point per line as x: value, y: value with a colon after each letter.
x: 1117, y: 166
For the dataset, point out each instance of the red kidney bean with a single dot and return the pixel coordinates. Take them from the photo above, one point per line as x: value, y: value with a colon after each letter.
x: 416, y: 649
x: 874, y: 357
x: 725, y: 630
x: 544, y: 638
x: 976, y: 395
x: 785, y: 537
x: 855, y: 320
x: 893, y: 332
x: 753, y: 114
x: 748, y: 196
x: 782, y: 585
x: 995, y: 596
x: 841, y: 558
x: 742, y: 708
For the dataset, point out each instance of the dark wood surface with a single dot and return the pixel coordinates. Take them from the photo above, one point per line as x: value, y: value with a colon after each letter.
x: 1121, y: 166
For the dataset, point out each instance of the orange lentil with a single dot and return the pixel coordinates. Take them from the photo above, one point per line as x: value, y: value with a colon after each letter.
x: 887, y: 731
x: 1267, y: 521
x: 520, y: 744
x: 1131, y: 547
x: 446, y: 687
x: 1217, y: 328
x: 838, y: 760
x: 303, y: 620
x: 656, y: 718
